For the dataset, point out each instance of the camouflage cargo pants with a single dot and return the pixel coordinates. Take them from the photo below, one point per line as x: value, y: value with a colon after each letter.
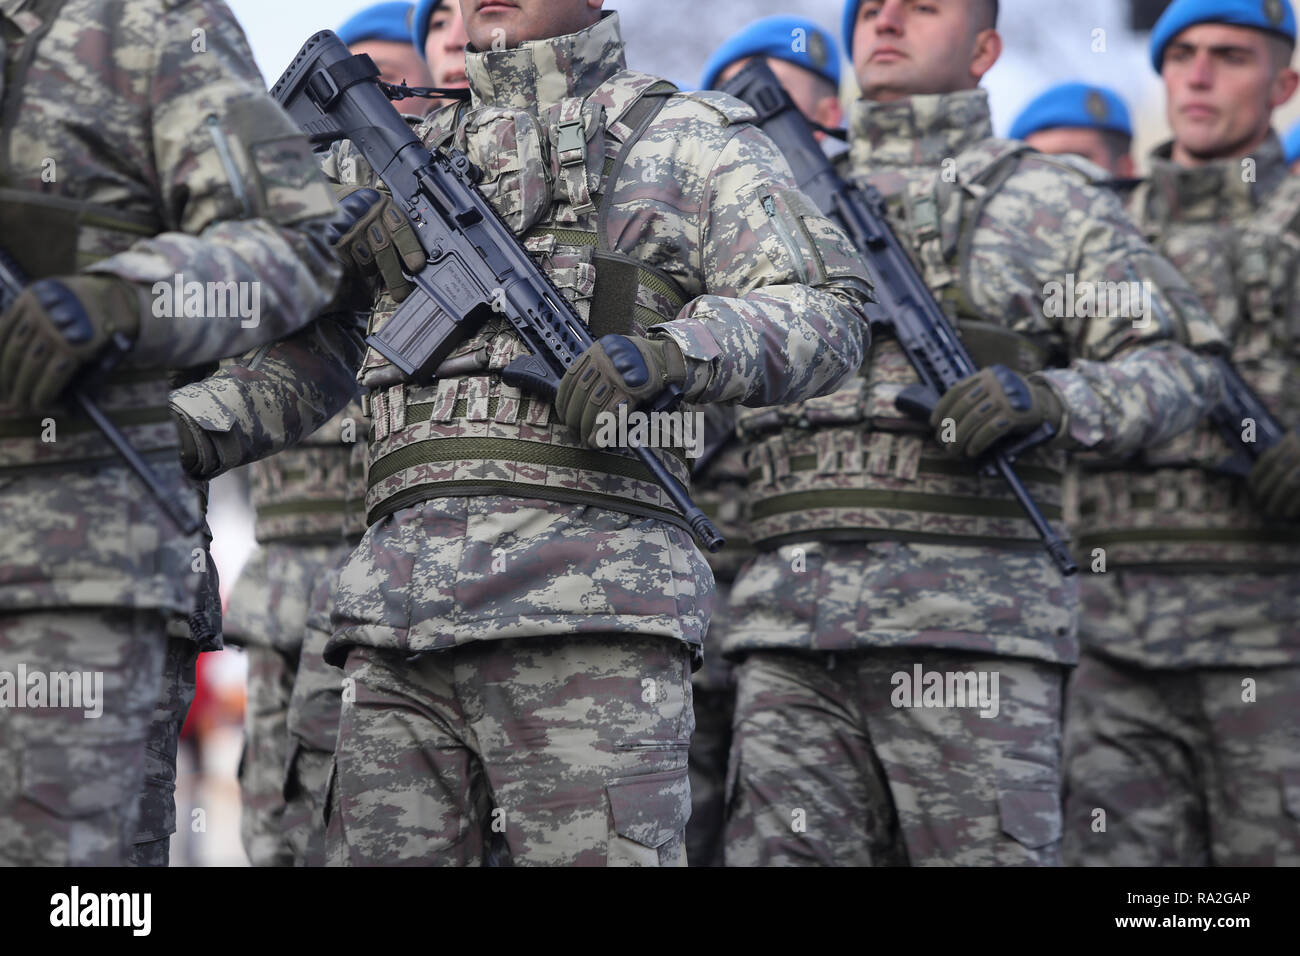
x: 70, y: 777
x: 157, y: 814
x: 1180, y: 768
x: 313, y: 725
x: 271, y: 674
x: 571, y: 750
x: 826, y: 770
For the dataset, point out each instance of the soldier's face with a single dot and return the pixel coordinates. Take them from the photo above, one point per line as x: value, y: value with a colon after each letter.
x: 906, y: 47
x: 396, y: 61
x: 1222, y: 84
x: 502, y: 24
x: 1081, y: 141
x: 444, y: 50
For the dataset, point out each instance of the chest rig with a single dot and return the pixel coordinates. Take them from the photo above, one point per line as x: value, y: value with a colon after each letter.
x: 850, y: 466
x: 1173, y: 508
x: 551, y: 176
x: 49, y: 234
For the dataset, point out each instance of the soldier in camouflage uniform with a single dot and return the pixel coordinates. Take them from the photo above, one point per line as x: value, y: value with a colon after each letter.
x: 518, y: 625
x: 1181, y: 729
x: 192, y: 174
x: 885, y: 563
x: 310, y: 509
x: 810, y: 72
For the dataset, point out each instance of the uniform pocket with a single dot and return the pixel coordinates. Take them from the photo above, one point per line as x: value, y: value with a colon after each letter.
x: 649, y: 814
x: 1030, y: 817
x: 80, y: 781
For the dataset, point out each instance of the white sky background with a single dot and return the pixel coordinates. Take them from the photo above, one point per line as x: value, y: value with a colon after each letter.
x: 1046, y: 42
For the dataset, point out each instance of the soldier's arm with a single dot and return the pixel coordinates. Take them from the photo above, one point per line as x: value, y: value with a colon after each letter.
x: 272, y: 398
x: 242, y: 198
x: 1141, y: 378
x: 781, y: 318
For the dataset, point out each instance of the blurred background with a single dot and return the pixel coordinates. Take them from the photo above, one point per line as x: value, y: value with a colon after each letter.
x: 1046, y: 42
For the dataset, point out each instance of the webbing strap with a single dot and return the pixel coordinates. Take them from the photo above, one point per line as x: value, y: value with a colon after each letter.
x: 878, y: 499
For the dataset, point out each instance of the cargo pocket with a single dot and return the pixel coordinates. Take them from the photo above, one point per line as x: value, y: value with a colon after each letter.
x: 649, y: 814
x: 87, y: 790
x: 1031, y: 817
x: 1291, y: 793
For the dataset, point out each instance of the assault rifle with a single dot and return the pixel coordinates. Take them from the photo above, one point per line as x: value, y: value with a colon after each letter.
x: 475, y: 266
x: 907, y: 309
x: 12, y: 282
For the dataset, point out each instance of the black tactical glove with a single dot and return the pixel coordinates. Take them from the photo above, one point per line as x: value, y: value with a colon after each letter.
x: 373, y: 236
x: 990, y: 405
x: 200, y: 456
x: 617, y: 369
x: 1275, y: 479
x: 55, y: 328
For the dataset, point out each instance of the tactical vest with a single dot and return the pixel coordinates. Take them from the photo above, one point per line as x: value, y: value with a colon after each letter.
x: 314, y: 491
x: 49, y: 235
x: 468, y: 433
x: 1168, y: 506
x: 850, y: 465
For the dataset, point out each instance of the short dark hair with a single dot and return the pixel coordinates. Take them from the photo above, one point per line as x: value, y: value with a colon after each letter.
x: 990, y: 19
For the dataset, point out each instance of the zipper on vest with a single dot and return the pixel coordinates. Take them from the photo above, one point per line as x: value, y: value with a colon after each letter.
x: 769, y: 206
x: 228, y: 161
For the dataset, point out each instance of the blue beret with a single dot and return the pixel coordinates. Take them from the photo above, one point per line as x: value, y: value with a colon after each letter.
x: 1074, y: 104
x: 793, y: 39
x: 381, y: 21
x: 420, y: 22
x: 1275, y: 16
x: 1291, y: 144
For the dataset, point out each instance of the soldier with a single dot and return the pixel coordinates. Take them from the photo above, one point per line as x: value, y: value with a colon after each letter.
x: 383, y: 31
x: 163, y: 201
x: 518, y: 625
x: 903, y: 634
x: 1078, y: 119
x: 310, y: 514
x: 1181, y: 728
x: 806, y: 59
x: 438, y: 32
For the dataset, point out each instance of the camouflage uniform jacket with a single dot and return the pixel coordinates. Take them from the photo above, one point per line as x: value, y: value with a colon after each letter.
x: 139, y: 141
x: 940, y: 555
x: 771, y: 297
x: 1233, y: 229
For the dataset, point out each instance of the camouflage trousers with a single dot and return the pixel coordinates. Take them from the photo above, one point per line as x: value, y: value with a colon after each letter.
x: 826, y: 769
x: 70, y: 781
x: 266, y: 754
x: 542, y: 751
x: 157, y: 814
x: 1182, y: 767
x: 313, y: 726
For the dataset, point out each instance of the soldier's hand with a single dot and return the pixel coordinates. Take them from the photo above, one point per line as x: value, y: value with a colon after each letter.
x: 55, y: 328
x: 989, y: 406
x: 617, y: 369
x: 1275, y: 479
x: 374, y: 237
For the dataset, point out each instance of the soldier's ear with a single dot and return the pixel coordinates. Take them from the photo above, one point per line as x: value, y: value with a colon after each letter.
x: 988, y: 47
x: 1284, y: 87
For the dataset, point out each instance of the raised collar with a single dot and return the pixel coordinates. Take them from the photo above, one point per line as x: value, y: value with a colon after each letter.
x: 541, y: 73
x: 921, y: 130
x: 1222, y: 191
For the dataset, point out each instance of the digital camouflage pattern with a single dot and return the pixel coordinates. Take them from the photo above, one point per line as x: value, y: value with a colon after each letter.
x: 462, y: 570
x: 825, y: 770
x: 892, y: 553
x: 70, y: 786
x: 576, y: 755
x: 1229, y: 594
x: 157, y: 820
x: 1188, y: 767
x: 1199, y: 592
x: 140, y: 190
